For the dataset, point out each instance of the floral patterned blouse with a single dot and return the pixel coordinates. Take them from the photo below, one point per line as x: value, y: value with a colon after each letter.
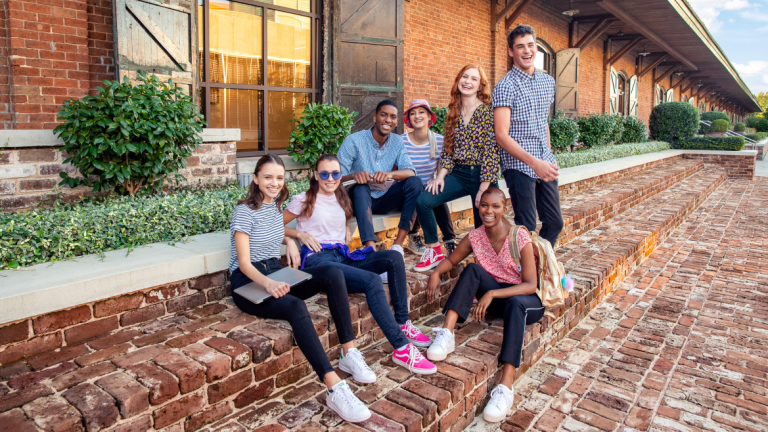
x: 475, y: 144
x: 500, y: 266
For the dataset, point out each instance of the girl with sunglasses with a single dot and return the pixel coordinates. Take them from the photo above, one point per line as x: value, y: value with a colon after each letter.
x: 322, y: 213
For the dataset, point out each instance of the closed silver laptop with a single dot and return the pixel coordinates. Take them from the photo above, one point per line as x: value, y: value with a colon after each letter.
x: 257, y: 293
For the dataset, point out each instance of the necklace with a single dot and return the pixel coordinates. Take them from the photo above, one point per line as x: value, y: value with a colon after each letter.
x: 503, y: 225
x: 464, y: 112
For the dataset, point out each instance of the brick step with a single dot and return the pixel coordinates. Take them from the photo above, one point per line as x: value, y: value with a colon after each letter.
x: 587, y: 209
x: 213, y: 367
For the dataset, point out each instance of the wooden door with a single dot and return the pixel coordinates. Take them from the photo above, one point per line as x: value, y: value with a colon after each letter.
x: 614, y: 92
x: 567, y: 79
x: 156, y: 37
x: 633, y: 96
x: 368, y: 55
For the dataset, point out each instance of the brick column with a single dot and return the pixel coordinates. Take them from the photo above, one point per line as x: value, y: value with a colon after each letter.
x: 48, y: 42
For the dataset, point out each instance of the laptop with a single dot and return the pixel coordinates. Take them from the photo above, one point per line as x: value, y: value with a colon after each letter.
x: 257, y: 293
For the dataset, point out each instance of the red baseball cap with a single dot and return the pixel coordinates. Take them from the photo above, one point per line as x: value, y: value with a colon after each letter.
x: 418, y: 103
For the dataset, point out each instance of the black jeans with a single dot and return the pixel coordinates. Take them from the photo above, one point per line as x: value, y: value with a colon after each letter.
x: 443, y: 217
x: 291, y: 307
x: 363, y: 277
x: 401, y: 195
x: 517, y: 311
x: 529, y: 196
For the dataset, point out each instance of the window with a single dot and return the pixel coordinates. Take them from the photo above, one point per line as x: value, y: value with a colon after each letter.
x: 702, y: 107
x: 621, y: 107
x: 259, y: 67
x: 543, y: 61
x: 661, y: 94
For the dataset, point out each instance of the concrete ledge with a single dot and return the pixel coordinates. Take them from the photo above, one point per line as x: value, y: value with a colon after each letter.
x: 46, y: 288
x: 20, y: 138
x: 246, y: 165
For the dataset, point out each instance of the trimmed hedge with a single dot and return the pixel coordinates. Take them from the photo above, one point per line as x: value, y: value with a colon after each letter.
x: 604, y: 153
x: 712, y: 143
x: 762, y: 125
x: 719, y: 125
x: 752, y: 121
x: 600, y: 129
x: 563, y: 131
x: 757, y: 136
x: 634, y: 130
x: 673, y: 121
x: 739, y: 127
x: 714, y: 115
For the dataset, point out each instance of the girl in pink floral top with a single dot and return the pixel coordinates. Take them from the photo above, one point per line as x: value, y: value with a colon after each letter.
x: 503, y: 288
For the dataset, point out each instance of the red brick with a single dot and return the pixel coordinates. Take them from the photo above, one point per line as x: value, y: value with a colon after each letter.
x: 117, y: 305
x: 53, y: 413
x: 162, y: 385
x: 448, y: 419
x: 31, y: 347
x: 437, y: 395
x: 426, y: 409
x: 114, y: 339
x: 135, y: 357
x: 521, y: 419
x: 217, y: 365
x: 260, y: 346
x: 593, y: 420
x: 204, y: 311
x: 63, y: 354
x: 758, y: 408
x: 81, y: 375
x: 550, y: 420
x: 454, y: 387
x: 232, y: 323
x: 208, y: 281
x: 14, y: 333
x: 100, y: 356
x: 223, y: 389
x: 37, y: 155
x: 552, y: 385
x: 190, y: 338
x: 141, y: 424
x: 186, y: 302
x: 132, y: 398
x: 19, y: 398
x: 254, y: 393
x: 639, y: 418
x: 31, y: 378
x: 282, y: 339
x: 98, y: 408
x: 409, y: 419
x: 207, y: 416
x: 166, y: 292
x: 191, y: 374
x: 15, y: 421
x: 239, y: 354
x: 178, y: 409
x: 142, y: 315
x: 90, y: 330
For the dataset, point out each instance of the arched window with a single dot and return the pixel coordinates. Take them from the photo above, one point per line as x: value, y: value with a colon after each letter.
x: 543, y: 60
x: 702, y: 107
x: 661, y: 94
x: 622, y: 89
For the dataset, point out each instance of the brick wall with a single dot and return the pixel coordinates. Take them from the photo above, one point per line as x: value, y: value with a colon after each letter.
x: 29, y: 176
x: 100, y: 42
x: 735, y: 165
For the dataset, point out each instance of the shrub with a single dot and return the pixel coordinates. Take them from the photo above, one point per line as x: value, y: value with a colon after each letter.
x: 321, y: 129
x: 719, y: 125
x: 563, y: 131
x: 634, y: 130
x: 758, y: 136
x: 752, y: 120
x: 714, y: 115
x: 712, y: 143
x: 739, y: 127
x: 762, y: 125
x: 672, y: 121
x: 440, y: 114
x: 130, y: 138
x: 603, y: 153
x: 600, y: 129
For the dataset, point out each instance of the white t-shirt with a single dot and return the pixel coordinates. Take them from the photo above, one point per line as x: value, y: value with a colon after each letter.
x: 328, y: 223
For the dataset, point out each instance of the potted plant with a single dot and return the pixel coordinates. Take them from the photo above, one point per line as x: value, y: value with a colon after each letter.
x: 718, y: 128
x: 740, y: 128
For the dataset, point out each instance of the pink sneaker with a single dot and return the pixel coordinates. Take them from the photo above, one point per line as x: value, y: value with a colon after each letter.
x: 414, y: 335
x: 430, y: 259
x: 411, y: 359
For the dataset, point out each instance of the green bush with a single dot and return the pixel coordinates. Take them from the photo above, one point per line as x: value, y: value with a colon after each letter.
x: 131, y: 138
x: 672, y: 121
x: 762, y: 125
x: 752, y: 120
x: 711, y: 143
x: 321, y: 129
x: 758, y: 136
x: 714, y: 115
x: 600, y: 129
x: 634, y: 130
x: 440, y: 114
x: 739, y: 127
x: 563, y: 131
x: 608, y: 152
x: 719, y: 125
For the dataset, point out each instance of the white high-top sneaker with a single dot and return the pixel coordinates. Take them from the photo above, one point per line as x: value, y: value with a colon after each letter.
x: 500, y: 405
x: 354, y: 364
x: 346, y: 404
x: 444, y: 344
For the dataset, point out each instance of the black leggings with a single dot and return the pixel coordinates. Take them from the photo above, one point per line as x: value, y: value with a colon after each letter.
x: 517, y: 311
x: 291, y: 307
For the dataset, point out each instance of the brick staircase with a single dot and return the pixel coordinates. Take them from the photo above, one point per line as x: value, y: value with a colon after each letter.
x: 183, y: 357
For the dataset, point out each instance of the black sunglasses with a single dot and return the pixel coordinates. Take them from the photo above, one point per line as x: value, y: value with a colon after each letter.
x: 324, y: 175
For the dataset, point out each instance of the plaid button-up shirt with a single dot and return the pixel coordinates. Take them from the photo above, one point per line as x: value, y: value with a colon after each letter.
x: 360, y: 152
x: 528, y: 97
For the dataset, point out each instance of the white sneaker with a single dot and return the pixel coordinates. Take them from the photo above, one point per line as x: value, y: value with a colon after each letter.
x: 397, y: 248
x: 500, y: 405
x: 354, y: 364
x: 444, y: 344
x: 341, y: 400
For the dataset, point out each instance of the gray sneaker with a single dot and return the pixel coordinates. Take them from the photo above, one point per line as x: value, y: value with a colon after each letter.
x: 450, y: 246
x: 416, y: 244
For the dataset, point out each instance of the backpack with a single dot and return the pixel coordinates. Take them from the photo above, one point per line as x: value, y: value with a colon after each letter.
x: 550, y: 271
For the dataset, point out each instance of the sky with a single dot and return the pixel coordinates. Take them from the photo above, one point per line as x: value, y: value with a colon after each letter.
x: 740, y: 27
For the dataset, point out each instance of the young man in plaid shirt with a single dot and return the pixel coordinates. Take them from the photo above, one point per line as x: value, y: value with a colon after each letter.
x: 521, y: 103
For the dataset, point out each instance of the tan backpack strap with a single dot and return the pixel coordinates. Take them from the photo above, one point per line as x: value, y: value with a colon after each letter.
x: 514, y: 250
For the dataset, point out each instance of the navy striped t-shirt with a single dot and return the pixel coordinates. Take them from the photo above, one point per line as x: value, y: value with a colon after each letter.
x: 265, y: 228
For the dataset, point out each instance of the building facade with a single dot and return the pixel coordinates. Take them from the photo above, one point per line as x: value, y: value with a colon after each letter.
x: 254, y: 65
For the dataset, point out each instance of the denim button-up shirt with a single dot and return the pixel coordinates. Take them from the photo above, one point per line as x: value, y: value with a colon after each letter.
x: 360, y: 152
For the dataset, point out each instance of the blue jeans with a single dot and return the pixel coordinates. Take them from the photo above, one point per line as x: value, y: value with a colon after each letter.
x: 363, y: 277
x: 402, y: 195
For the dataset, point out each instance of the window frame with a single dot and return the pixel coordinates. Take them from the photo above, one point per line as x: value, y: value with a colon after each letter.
x: 316, y: 60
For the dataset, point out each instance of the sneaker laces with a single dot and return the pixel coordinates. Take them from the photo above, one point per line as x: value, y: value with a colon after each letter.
x: 411, y: 330
x: 414, y: 357
x: 344, y: 393
x: 441, y: 339
x: 428, y: 255
x: 358, y: 360
x: 497, y: 395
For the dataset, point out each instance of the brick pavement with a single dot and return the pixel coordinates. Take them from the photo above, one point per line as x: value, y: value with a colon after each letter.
x: 682, y: 345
